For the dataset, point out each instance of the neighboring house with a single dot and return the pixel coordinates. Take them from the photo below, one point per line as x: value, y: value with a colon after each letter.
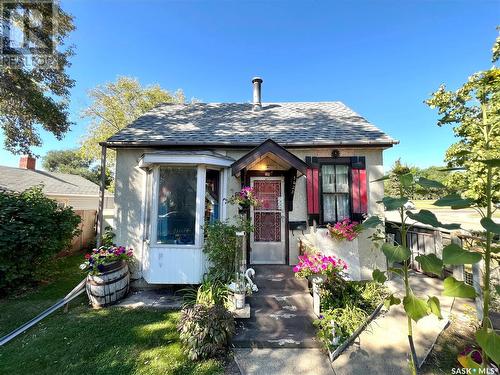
x: 310, y: 163
x: 68, y: 189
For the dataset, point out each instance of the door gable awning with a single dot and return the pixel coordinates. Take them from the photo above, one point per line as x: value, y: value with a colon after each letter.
x: 269, y: 150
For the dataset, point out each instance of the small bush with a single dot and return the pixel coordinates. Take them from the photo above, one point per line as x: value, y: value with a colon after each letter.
x: 210, y: 292
x: 221, y: 245
x: 205, y: 331
x: 33, y: 228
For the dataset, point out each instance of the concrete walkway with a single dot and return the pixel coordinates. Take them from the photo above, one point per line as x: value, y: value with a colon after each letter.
x: 282, y: 362
x: 279, y: 338
x: 383, y: 347
x: 160, y: 299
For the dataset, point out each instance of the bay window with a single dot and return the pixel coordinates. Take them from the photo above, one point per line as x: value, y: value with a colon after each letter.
x: 176, y: 217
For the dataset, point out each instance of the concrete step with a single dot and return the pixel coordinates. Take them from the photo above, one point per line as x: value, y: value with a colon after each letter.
x: 280, y: 302
x: 276, y: 330
x: 281, y: 312
x: 280, y: 338
x: 283, y: 286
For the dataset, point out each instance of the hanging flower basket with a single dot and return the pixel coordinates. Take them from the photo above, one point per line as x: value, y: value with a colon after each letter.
x: 245, y: 198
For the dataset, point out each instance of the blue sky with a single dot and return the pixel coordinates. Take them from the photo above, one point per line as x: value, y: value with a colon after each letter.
x: 381, y: 58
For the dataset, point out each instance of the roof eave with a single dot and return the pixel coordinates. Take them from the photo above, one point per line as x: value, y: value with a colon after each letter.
x: 148, y: 144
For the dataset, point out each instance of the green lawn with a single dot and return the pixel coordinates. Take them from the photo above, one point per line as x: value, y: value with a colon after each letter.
x: 87, y: 341
x: 428, y: 205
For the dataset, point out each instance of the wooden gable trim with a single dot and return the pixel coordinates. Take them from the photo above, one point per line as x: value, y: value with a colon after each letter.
x: 268, y: 146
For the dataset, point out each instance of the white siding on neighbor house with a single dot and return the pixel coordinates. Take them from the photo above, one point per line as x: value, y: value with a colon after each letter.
x: 186, y: 264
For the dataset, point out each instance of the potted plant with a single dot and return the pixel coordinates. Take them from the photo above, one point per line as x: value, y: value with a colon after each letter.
x: 239, y: 294
x: 108, y: 276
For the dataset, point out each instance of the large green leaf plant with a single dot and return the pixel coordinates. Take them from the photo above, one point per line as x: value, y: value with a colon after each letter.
x: 474, y: 110
x: 399, y: 256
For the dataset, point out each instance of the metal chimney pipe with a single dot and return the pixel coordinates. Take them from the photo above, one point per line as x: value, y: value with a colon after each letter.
x: 257, y: 103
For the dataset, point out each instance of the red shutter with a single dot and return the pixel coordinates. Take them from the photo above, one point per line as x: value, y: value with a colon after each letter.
x: 312, y: 180
x: 359, y: 194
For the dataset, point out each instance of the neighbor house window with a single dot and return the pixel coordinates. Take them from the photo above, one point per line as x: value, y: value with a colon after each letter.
x: 335, y: 192
x: 177, y: 205
x: 212, y: 196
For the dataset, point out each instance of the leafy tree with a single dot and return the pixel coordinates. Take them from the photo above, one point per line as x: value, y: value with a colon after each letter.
x: 36, y: 95
x: 474, y: 112
x: 391, y: 186
x: 117, y: 104
x: 72, y: 162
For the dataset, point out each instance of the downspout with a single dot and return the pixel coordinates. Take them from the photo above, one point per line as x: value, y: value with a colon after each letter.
x: 102, y: 190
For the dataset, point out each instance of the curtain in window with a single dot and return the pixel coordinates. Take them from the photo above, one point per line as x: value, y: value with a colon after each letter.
x: 329, y: 207
x: 176, y: 206
x: 341, y: 179
x: 335, y: 192
x: 328, y: 177
x: 342, y: 206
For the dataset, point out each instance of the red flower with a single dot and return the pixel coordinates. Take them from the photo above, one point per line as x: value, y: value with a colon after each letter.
x: 87, y: 256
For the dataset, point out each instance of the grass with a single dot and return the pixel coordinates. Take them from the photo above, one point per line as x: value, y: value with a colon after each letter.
x: 87, y: 341
x: 428, y: 205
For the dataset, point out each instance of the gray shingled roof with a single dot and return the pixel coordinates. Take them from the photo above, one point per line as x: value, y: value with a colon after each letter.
x: 316, y: 123
x: 17, y: 179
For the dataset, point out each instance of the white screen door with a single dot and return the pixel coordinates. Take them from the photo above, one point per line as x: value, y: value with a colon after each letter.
x: 267, y: 241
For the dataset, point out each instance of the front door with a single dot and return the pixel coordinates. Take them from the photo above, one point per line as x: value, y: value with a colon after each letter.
x: 267, y: 241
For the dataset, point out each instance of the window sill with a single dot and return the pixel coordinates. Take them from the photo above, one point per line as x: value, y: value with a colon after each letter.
x: 174, y: 246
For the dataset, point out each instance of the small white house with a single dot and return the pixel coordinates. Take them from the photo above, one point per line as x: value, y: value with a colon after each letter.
x: 309, y: 162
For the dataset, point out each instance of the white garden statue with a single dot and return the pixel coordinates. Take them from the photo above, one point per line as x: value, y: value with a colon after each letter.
x: 249, y: 273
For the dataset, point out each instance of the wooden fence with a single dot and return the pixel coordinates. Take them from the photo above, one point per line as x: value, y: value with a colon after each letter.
x: 423, y: 240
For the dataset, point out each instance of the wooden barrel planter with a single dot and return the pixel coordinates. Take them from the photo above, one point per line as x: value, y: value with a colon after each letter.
x: 109, y: 286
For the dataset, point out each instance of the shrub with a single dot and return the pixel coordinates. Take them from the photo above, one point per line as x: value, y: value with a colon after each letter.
x: 221, y: 245
x: 205, y: 331
x: 33, y: 228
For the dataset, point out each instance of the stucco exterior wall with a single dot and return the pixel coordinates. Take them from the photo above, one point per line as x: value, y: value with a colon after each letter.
x: 129, y: 204
x: 370, y: 257
x: 130, y: 195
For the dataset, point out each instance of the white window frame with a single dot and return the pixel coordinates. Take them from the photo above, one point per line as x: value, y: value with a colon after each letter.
x: 200, y: 203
